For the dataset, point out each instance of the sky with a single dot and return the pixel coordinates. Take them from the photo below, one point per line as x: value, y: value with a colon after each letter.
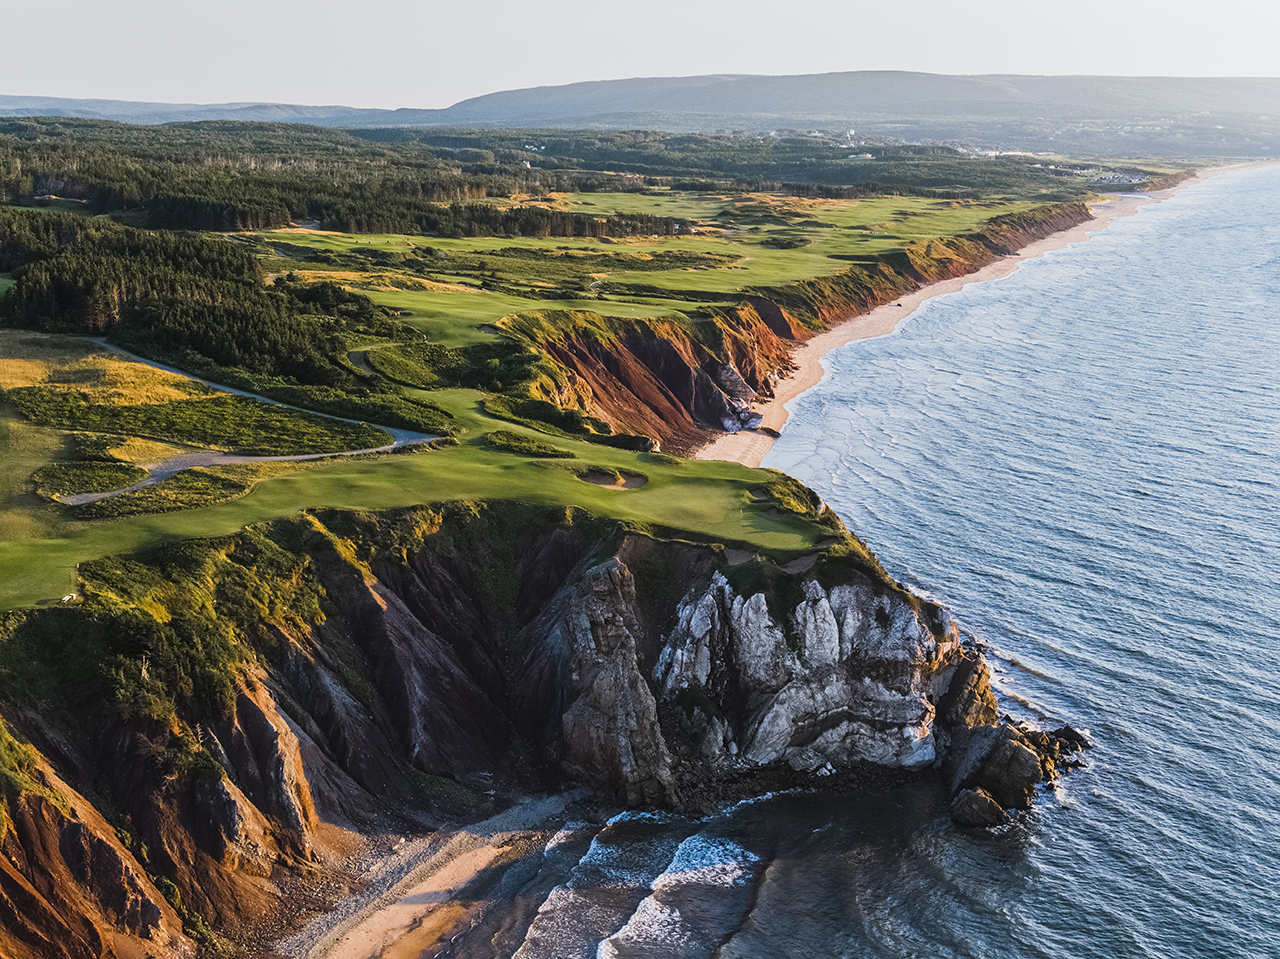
x: 428, y: 53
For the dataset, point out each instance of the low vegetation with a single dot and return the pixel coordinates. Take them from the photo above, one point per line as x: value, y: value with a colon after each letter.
x: 60, y: 479
x: 191, y: 489
x: 222, y: 422
x: 510, y: 442
x: 491, y: 367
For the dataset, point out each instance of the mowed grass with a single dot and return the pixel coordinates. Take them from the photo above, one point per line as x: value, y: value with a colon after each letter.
x: 6, y: 281
x: 24, y: 449
x: 706, y: 498
x: 454, y: 319
x: 822, y: 234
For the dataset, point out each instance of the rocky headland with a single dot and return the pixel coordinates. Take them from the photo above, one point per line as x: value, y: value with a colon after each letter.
x: 216, y: 738
x: 216, y: 727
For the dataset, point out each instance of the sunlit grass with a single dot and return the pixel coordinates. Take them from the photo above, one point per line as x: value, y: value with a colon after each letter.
x: 704, y: 498
x: 823, y: 234
x: 454, y: 319
x: 97, y: 375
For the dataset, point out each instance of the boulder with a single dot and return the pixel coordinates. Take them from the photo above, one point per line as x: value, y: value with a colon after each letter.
x: 969, y: 700
x: 1070, y: 740
x: 997, y: 759
x: 976, y: 807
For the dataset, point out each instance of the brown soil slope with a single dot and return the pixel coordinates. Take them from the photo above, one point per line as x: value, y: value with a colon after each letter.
x: 682, y: 382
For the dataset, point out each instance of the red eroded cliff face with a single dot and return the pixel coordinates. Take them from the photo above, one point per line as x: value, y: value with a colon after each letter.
x: 70, y: 890
x: 655, y: 378
x: 681, y: 383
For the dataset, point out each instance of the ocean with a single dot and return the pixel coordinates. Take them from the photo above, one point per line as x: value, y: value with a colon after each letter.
x: 1079, y: 460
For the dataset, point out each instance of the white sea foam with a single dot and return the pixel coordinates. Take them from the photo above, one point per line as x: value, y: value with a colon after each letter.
x: 708, y: 860
x: 702, y: 868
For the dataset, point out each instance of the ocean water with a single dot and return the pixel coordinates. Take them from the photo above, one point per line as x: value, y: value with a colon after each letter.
x: 1080, y: 461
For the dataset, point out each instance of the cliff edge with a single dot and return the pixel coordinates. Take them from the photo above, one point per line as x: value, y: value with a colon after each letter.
x: 248, y: 711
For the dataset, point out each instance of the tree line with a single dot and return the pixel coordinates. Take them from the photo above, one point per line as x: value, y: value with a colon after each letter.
x: 229, y: 177
x: 170, y: 293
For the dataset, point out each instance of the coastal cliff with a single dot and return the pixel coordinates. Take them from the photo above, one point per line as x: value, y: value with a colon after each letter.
x: 215, y: 726
x: 682, y: 382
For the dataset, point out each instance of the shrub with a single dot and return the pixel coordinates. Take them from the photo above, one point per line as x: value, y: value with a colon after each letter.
x: 59, y: 479
x: 510, y: 442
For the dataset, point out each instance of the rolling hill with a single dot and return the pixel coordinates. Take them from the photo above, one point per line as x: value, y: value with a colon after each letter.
x: 1169, y: 116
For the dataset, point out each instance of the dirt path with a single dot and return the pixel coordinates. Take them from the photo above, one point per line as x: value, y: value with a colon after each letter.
x: 359, y: 357
x: 164, y: 469
x: 360, y: 360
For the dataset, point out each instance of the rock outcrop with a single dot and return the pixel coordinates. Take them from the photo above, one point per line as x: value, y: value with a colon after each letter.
x: 258, y: 706
x: 992, y: 768
x: 849, y: 675
x: 976, y: 807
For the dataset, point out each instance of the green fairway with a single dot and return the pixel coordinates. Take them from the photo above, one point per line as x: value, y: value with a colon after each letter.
x: 24, y: 449
x: 709, y: 499
x: 453, y: 318
x: 705, y: 498
x: 740, y: 241
x: 6, y: 281
x: 453, y: 290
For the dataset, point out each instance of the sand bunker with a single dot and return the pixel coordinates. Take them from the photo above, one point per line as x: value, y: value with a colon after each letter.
x: 613, y: 479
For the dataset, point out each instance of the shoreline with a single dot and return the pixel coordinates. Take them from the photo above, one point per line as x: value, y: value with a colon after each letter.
x: 750, y: 446
x: 428, y: 889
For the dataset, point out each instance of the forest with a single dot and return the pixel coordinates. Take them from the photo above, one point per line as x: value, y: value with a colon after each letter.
x: 198, y: 302
x: 227, y: 176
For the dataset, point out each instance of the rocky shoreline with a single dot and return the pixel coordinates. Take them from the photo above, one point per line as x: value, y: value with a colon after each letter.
x: 391, y: 673
x: 991, y: 770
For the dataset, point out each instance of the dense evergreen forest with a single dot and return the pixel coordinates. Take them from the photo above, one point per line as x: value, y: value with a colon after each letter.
x: 201, y: 303
x: 228, y: 176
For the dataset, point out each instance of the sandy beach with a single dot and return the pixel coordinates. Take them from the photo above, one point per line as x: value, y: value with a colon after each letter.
x: 749, y: 446
x: 430, y: 889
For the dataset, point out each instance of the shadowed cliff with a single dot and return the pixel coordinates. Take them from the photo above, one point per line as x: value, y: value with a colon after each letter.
x: 245, y: 712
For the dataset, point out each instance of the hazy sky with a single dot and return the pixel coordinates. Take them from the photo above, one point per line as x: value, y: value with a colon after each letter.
x: 429, y: 53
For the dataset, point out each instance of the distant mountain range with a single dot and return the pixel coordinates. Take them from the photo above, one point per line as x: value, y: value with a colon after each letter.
x: 1169, y: 116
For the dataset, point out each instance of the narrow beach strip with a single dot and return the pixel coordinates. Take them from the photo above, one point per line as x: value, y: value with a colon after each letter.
x: 750, y: 446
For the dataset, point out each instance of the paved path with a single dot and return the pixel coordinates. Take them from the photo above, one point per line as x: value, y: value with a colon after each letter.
x: 163, y: 469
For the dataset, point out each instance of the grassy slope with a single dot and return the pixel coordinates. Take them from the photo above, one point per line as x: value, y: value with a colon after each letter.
x: 450, y: 317
x: 39, y: 548
x: 24, y: 448
x: 707, y: 498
